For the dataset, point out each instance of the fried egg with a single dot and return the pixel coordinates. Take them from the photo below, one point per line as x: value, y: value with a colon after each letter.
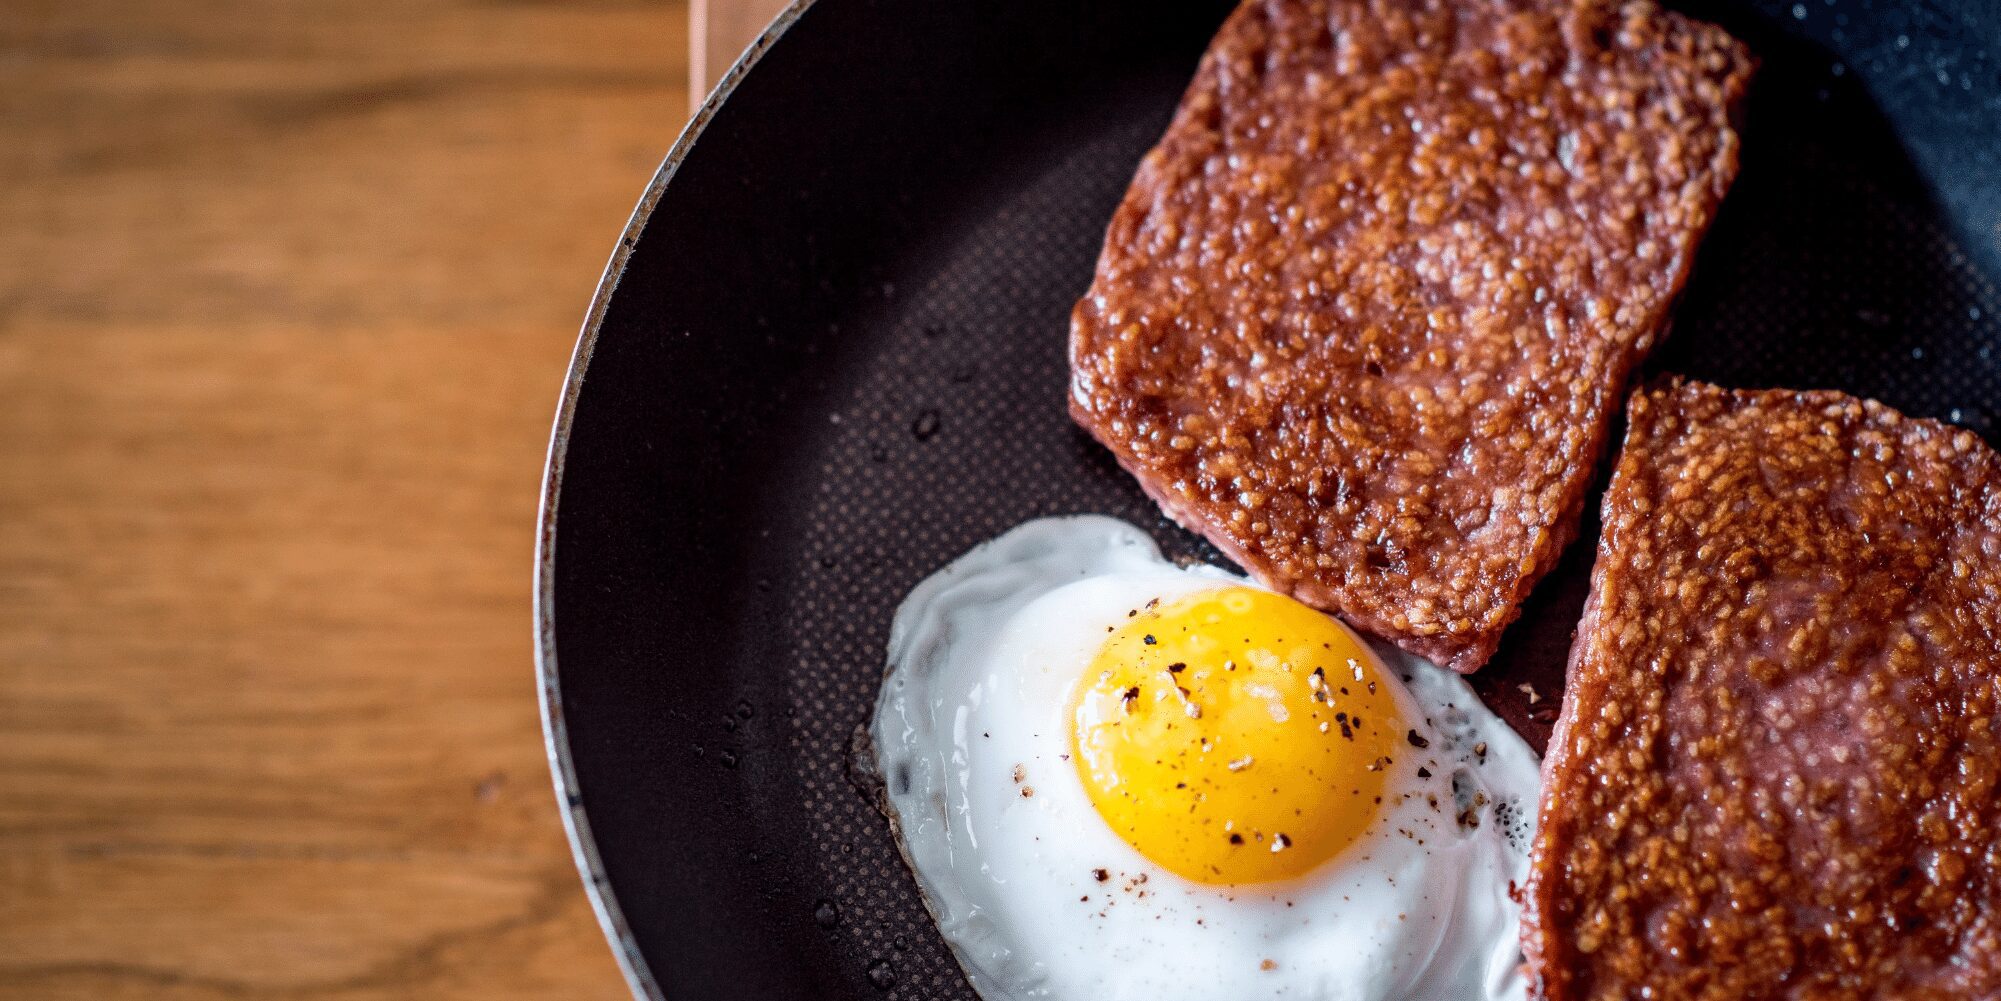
x: 1118, y: 778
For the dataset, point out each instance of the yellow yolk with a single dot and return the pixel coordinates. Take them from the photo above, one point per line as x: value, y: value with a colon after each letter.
x: 1235, y: 736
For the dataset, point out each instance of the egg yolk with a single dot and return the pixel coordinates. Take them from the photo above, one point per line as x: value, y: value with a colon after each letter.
x: 1234, y: 736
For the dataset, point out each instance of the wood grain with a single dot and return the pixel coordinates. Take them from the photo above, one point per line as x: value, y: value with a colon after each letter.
x: 286, y: 295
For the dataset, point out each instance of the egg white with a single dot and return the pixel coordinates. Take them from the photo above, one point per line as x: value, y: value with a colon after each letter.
x: 983, y: 660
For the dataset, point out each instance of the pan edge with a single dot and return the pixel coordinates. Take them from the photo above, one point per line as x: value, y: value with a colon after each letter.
x: 570, y: 800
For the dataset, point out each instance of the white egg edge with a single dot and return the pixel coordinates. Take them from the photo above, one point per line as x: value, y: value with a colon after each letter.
x: 1022, y: 548
x: 1073, y: 549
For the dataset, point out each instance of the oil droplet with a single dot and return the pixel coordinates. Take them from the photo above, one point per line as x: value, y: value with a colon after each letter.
x: 926, y: 425
x: 1974, y: 419
x: 882, y: 974
x: 826, y: 914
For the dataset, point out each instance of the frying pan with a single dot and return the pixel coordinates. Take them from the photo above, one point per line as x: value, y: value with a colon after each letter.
x: 828, y: 356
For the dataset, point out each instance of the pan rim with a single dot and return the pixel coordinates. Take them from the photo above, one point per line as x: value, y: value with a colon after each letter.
x: 570, y: 800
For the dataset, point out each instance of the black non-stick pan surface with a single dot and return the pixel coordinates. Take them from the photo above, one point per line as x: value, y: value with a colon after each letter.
x: 828, y: 357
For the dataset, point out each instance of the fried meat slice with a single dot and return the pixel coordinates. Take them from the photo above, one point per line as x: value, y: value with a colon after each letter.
x: 1774, y: 775
x: 1367, y: 310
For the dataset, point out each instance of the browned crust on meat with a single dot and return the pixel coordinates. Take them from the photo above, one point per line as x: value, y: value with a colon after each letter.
x: 1775, y: 772
x: 1366, y: 311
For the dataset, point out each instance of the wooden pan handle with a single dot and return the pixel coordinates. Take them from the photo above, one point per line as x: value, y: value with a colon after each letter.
x: 718, y: 32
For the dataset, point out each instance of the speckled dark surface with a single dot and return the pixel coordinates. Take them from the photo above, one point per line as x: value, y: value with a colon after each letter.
x: 835, y: 360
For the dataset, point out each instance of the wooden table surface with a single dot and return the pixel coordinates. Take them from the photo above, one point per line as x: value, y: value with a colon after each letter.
x: 286, y: 297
